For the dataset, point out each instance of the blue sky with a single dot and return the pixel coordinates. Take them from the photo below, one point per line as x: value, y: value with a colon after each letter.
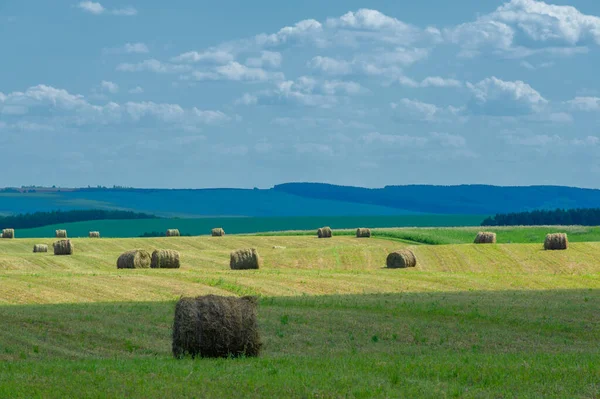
x: 243, y: 94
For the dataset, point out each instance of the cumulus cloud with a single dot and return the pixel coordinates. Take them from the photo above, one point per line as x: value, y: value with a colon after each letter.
x: 109, y: 87
x: 422, y: 111
x: 330, y: 66
x: 152, y: 65
x: 77, y: 110
x: 494, y: 96
x: 269, y: 59
x: 95, y: 8
x: 214, y: 56
x: 586, y: 104
x: 431, y: 81
x: 235, y: 71
x: 136, y: 90
x: 525, y: 27
x: 391, y: 139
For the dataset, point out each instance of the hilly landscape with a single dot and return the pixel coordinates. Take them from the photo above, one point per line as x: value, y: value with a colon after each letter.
x: 302, y: 199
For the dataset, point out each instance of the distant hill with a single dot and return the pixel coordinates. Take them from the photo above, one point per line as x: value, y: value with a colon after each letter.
x: 303, y: 199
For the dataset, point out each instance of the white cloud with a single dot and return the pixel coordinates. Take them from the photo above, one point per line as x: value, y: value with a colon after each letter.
x: 587, y: 104
x: 247, y: 99
x: 330, y: 66
x: 75, y: 109
x: 498, y: 97
x: 337, y: 86
x: 215, y: 56
x: 91, y: 7
x: 270, y: 59
x: 139, y: 48
x: 237, y: 72
x: 109, y: 87
x: 136, y: 90
x: 153, y: 65
x: 98, y: 9
x: 516, y: 28
x: 431, y: 81
x: 308, y: 28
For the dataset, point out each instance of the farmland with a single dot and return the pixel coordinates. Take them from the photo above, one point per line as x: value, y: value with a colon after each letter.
x: 468, y: 321
x: 242, y: 225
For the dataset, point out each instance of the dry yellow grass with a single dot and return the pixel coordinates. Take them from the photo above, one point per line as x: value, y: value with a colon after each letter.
x: 341, y: 265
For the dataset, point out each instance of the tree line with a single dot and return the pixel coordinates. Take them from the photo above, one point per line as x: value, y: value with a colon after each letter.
x: 565, y: 217
x: 40, y: 219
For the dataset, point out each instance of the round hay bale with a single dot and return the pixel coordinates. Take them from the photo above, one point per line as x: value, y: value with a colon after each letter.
x: 244, y: 259
x: 485, y: 238
x: 61, y: 233
x: 556, y: 241
x: 135, y: 259
x: 40, y: 248
x: 218, y: 232
x: 94, y: 234
x: 216, y: 326
x: 8, y: 233
x: 324, y: 232
x: 165, y: 259
x: 401, y: 259
x: 173, y: 233
x: 63, y: 247
x: 363, y: 233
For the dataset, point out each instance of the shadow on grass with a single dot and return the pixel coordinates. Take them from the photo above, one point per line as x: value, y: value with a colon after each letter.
x: 557, y: 321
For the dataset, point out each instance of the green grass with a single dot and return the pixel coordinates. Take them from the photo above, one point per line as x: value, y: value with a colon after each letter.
x: 466, y: 235
x: 473, y: 321
x: 241, y: 225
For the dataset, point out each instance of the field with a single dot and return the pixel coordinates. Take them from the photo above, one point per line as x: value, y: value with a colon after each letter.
x: 243, y: 225
x: 508, y: 320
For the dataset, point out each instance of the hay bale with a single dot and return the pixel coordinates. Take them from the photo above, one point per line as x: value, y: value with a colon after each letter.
x: 216, y: 326
x: 218, y: 232
x: 63, y: 247
x: 40, y: 248
x: 165, y: 259
x: 324, y: 232
x: 8, y: 233
x: 135, y: 259
x: 556, y: 241
x: 244, y: 259
x: 94, y: 234
x: 485, y: 238
x: 61, y: 234
x: 401, y: 259
x: 363, y: 233
x: 173, y: 233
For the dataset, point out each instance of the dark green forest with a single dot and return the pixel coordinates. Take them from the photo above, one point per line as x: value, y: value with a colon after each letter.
x: 564, y: 217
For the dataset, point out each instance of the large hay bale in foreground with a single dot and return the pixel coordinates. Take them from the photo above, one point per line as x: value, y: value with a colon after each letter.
x: 401, y: 259
x: 40, y: 248
x: 485, y: 238
x: 324, y: 232
x: 363, y: 233
x: 134, y: 259
x: 173, y: 233
x: 8, y: 233
x: 63, y: 247
x: 216, y: 326
x: 218, y: 232
x: 556, y: 241
x: 244, y: 259
x: 165, y: 259
x: 61, y: 234
x: 94, y: 234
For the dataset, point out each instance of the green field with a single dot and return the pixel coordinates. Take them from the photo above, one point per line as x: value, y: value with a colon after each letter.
x: 241, y: 225
x: 474, y: 321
